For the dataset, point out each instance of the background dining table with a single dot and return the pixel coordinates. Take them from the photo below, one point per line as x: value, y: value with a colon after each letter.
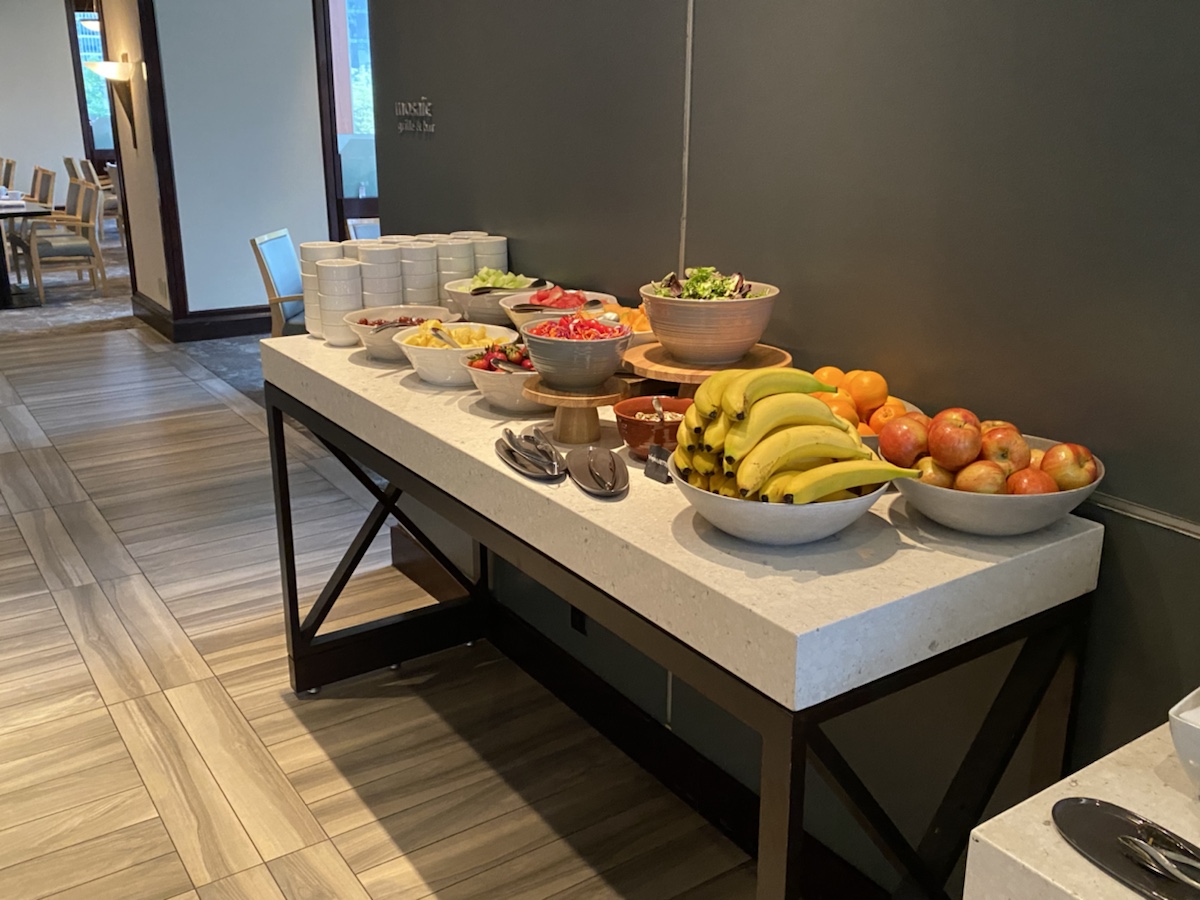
x: 10, y: 299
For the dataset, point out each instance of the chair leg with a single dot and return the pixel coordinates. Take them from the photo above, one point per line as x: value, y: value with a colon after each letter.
x: 36, y: 266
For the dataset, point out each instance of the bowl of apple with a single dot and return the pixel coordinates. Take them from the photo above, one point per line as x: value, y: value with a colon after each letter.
x: 987, y: 478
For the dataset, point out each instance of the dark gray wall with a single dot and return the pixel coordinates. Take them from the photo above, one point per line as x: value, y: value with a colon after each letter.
x: 557, y: 124
x: 996, y: 204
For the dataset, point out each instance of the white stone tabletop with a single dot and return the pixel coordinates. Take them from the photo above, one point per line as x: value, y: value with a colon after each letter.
x: 1019, y: 855
x: 802, y: 624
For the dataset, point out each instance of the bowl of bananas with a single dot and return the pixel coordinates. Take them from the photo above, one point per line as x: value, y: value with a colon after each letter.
x: 762, y: 459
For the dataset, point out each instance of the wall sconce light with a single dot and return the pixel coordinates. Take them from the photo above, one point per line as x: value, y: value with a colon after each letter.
x: 119, y: 74
x: 91, y: 25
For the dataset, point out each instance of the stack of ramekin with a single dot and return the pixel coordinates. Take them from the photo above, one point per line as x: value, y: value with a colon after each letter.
x: 310, y: 254
x: 456, y: 260
x: 382, y: 278
x: 339, y: 283
x: 397, y: 238
x: 435, y: 237
x: 350, y: 247
x: 491, y: 251
x: 419, y: 269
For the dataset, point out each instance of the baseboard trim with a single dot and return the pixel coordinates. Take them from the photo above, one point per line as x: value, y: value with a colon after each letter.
x: 202, y: 326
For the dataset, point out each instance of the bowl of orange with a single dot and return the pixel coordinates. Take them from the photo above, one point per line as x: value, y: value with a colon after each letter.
x: 635, y: 318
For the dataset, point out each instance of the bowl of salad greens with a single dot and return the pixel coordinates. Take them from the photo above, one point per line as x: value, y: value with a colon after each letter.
x: 708, y: 319
x: 485, y: 307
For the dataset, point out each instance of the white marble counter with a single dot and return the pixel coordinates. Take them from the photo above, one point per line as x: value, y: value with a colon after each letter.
x: 802, y: 624
x: 1019, y: 855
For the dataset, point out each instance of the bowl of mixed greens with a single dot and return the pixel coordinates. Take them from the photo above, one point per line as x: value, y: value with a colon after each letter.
x: 708, y: 319
x: 485, y: 307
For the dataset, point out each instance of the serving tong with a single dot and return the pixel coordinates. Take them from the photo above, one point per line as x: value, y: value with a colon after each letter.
x: 589, y: 305
x: 1163, y: 861
x: 537, y: 450
x: 486, y: 289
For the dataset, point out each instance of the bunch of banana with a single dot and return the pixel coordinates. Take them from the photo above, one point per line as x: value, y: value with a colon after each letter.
x: 760, y: 435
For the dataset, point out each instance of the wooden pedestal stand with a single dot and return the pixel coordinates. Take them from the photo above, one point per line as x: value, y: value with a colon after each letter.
x: 653, y: 361
x: 576, y: 420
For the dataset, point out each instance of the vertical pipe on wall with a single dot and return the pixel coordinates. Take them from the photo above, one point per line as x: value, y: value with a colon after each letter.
x: 687, y: 131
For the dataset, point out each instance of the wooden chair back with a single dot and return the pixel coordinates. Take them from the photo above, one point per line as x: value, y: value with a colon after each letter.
x: 89, y: 209
x: 42, y: 190
x: 72, y: 169
x: 278, y: 264
x: 8, y: 169
x: 74, y: 195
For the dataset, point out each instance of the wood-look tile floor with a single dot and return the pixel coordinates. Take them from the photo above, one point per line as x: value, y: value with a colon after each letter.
x: 150, y: 747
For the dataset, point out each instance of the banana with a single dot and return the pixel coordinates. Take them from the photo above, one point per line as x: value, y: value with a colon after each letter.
x: 728, y: 488
x: 685, y: 438
x: 683, y: 460
x: 786, y: 446
x: 836, y: 495
x: 708, y: 394
x: 704, y: 463
x: 839, y: 476
x: 696, y: 480
x: 716, y: 434
x: 717, y: 481
x: 747, y: 389
x: 775, y: 412
x: 775, y: 487
x: 693, y: 421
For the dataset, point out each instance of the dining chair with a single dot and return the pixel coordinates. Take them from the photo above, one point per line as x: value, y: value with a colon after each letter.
x: 110, y: 202
x: 8, y: 169
x: 280, y: 270
x: 65, y: 242
x: 42, y: 190
x: 56, y: 223
x: 72, y: 169
x: 363, y: 229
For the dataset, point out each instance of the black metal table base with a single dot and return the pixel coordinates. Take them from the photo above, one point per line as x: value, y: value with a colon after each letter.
x: 1050, y: 649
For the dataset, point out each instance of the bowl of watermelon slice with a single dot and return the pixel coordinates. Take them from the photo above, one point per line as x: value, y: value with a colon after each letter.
x: 554, y: 300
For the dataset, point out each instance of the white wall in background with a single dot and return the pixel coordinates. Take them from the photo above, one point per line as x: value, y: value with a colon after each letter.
x: 39, y: 108
x: 241, y: 95
x: 142, y: 211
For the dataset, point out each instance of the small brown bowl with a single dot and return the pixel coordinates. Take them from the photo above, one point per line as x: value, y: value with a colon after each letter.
x: 639, y: 434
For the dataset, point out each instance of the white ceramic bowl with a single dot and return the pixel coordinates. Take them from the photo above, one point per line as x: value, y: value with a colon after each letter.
x: 343, y: 302
x: 456, y: 248
x: 468, y: 235
x: 374, y: 301
x: 995, y: 514
x: 350, y: 247
x: 779, y: 524
x: 308, y: 267
x: 503, y: 390
x: 397, y: 238
x: 709, y: 333
x: 433, y: 236
x: 411, y: 267
x: 379, y: 253
x: 421, y: 297
x: 520, y: 318
x: 440, y: 365
x: 339, y: 270
x: 426, y: 250
x: 1185, y: 732
x: 381, y: 345
x: 383, y: 285
x: 418, y: 282
x: 483, y: 307
x: 315, y: 250
x: 338, y: 334
x: 308, y: 281
x: 337, y: 288
x: 382, y: 270
x: 491, y: 243
x: 312, y: 313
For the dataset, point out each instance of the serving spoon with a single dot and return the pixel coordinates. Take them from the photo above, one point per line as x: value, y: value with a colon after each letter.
x: 487, y: 289
x: 1164, y: 862
x: 538, y: 307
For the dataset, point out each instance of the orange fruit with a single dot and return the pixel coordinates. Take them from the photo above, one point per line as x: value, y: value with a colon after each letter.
x: 882, y: 416
x: 866, y: 430
x: 869, y: 390
x: 843, y: 409
x: 897, y: 404
x: 830, y: 375
x: 849, y: 375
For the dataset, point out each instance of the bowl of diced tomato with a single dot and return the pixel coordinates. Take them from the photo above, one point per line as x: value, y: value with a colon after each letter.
x: 500, y: 388
x: 555, y: 301
x: 575, y: 353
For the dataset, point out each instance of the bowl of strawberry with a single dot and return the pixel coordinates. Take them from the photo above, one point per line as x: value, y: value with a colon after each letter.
x: 575, y: 353
x: 502, y: 388
x: 554, y: 301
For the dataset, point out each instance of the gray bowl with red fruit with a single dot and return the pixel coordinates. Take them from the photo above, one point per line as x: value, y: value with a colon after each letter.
x: 500, y: 388
x: 575, y: 353
x: 379, y: 344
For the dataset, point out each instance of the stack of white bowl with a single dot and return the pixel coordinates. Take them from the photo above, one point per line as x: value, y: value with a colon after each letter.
x: 339, y: 282
x: 310, y: 253
x: 491, y: 251
x: 350, y: 247
x: 382, y: 278
x: 435, y: 236
x: 468, y: 235
x: 419, y: 268
x: 397, y: 238
x: 456, y: 260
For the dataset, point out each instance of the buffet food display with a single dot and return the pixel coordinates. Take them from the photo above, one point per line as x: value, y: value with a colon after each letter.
x: 773, y: 455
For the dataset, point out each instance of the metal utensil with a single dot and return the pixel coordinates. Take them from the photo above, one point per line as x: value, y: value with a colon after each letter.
x: 602, y: 468
x: 657, y: 455
x: 528, y: 450
x: 443, y: 335
x: 386, y: 325
x: 485, y: 289
x: 1165, y: 862
x: 505, y: 366
x: 522, y: 464
x: 555, y: 310
x: 544, y: 445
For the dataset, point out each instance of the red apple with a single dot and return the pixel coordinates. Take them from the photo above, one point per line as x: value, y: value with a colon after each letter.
x: 1070, y: 465
x: 988, y: 424
x: 954, y: 444
x: 1035, y: 458
x: 1031, y: 481
x: 919, y: 416
x: 902, y: 440
x: 957, y: 415
x: 932, y: 473
x: 1006, y: 447
x: 982, y: 477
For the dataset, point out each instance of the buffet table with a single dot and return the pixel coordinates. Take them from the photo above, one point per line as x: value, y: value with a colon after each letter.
x: 781, y: 638
x: 1019, y: 855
